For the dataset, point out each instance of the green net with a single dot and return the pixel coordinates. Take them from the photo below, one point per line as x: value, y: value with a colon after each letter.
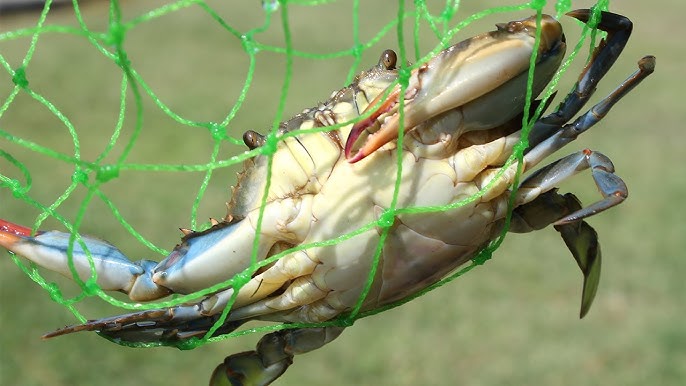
x: 101, y: 157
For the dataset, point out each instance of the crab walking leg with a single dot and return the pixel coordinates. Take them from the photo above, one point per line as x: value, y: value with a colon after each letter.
x: 165, y: 325
x: 162, y: 325
x: 604, y: 56
x: 550, y: 134
x: 612, y: 188
x: 581, y: 239
x: 271, y: 358
x: 544, y: 140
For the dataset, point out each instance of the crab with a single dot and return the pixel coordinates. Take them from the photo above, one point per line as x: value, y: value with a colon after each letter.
x: 441, y: 137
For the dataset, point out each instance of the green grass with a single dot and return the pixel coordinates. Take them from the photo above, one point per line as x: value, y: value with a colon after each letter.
x: 510, y: 322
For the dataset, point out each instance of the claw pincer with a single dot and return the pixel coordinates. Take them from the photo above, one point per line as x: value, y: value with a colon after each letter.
x: 462, y: 120
x: 50, y: 250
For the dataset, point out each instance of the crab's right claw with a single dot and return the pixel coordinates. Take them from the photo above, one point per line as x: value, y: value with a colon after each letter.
x: 463, y: 73
x: 114, y: 271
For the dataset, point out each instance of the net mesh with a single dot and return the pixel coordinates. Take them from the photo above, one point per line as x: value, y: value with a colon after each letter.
x: 91, y: 174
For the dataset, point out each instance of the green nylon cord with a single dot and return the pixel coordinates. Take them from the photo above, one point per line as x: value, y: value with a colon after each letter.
x: 93, y: 174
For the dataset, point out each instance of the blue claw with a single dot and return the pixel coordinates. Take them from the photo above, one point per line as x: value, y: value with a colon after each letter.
x: 115, y: 272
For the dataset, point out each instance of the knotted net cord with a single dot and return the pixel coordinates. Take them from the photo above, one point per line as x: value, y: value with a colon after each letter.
x: 93, y: 174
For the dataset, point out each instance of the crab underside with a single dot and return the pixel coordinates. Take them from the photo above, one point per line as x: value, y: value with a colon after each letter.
x: 460, y: 119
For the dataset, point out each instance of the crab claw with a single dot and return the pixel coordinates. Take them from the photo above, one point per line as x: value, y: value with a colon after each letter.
x: 114, y: 270
x: 202, y: 258
x: 491, y: 66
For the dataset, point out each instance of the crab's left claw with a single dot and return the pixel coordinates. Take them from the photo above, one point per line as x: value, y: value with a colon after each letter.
x: 485, y: 70
x: 114, y: 270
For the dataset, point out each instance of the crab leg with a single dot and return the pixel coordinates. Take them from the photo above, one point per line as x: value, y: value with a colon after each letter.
x: 581, y: 239
x: 612, y: 188
x: 272, y: 356
x: 619, y: 29
x: 162, y: 325
x: 546, y: 138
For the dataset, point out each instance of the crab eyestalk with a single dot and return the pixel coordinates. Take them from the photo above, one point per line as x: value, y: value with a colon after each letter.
x: 491, y: 66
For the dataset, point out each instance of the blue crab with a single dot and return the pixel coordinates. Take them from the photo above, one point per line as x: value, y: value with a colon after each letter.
x: 460, y: 120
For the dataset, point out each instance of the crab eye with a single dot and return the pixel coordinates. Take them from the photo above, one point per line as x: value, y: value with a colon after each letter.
x: 388, y: 60
x: 253, y: 139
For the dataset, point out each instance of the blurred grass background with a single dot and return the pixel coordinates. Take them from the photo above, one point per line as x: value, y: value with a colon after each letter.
x: 512, y: 322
